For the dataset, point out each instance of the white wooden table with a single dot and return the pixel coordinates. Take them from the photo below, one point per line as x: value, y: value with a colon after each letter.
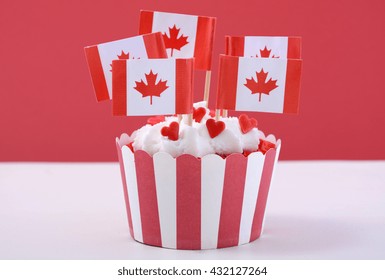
x: 316, y: 210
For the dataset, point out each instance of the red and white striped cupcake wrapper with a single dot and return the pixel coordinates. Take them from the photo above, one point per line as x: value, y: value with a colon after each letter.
x: 191, y: 203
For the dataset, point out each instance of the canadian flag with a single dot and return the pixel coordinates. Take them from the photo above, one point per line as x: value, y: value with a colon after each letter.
x: 184, y: 35
x: 264, y: 46
x: 100, y: 57
x: 146, y: 87
x: 259, y: 84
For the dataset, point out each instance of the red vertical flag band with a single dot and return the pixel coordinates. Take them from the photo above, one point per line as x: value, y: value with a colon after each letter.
x: 145, y: 23
x: 119, y: 87
x: 97, y: 75
x: 184, y: 80
x: 155, y: 45
x: 234, y: 45
x: 227, y: 82
x: 204, y: 42
x: 294, y: 47
x: 292, y: 86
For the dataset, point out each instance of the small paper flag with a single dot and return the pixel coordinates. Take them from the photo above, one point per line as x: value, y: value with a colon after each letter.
x: 184, y: 35
x: 259, y: 84
x: 100, y: 57
x: 264, y: 46
x: 147, y: 87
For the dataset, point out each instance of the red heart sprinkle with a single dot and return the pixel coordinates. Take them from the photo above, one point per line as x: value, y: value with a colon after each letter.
x: 198, y: 114
x: 172, y: 131
x: 247, y: 123
x: 131, y: 146
x: 212, y: 113
x: 264, y: 145
x: 215, y: 127
x: 155, y: 120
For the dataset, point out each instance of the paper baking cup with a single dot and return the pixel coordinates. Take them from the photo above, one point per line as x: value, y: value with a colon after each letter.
x: 192, y: 203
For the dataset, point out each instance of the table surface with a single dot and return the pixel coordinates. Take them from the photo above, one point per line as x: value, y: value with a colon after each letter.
x: 316, y: 210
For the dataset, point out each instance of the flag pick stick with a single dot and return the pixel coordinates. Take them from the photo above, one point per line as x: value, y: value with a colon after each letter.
x: 224, y: 113
x: 189, y: 119
x: 207, y: 87
x: 217, y: 114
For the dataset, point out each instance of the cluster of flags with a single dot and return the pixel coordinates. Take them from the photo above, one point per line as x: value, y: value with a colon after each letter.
x: 152, y: 73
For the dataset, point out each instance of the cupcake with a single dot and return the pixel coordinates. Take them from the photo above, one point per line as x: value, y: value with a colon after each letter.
x: 191, y: 179
x: 199, y: 181
x: 196, y: 187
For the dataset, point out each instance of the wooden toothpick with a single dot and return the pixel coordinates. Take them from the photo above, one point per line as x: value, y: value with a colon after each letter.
x: 190, y: 119
x: 207, y: 86
x: 217, y: 114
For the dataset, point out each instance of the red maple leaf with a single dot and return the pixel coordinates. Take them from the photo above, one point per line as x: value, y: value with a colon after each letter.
x: 123, y: 56
x: 261, y: 86
x: 173, y: 42
x: 151, y: 88
x: 265, y: 53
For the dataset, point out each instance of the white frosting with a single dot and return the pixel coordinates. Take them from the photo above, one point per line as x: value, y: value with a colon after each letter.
x: 195, y: 140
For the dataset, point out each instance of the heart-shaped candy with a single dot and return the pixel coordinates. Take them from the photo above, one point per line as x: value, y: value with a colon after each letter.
x: 155, y: 120
x: 198, y: 114
x: 264, y: 146
x: 215, y: 127
x: 246, y: 124
x: 130, y: 145
x: 172, y: 131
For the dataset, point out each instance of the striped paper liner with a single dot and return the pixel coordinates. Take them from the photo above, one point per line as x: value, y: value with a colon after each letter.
x: 195, y: 203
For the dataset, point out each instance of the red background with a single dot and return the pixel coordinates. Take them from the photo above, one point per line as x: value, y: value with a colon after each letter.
x: 48, y: 111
